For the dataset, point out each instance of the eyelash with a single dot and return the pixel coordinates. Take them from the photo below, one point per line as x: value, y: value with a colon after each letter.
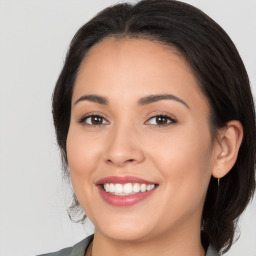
x: 84, y: 118
x: 169, y: 119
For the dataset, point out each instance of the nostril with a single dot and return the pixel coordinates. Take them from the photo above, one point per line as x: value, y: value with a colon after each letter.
x: 120, y: 162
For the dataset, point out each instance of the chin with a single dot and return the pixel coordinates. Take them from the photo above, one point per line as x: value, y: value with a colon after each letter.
x: 126, y: 235
x: 125, y: 230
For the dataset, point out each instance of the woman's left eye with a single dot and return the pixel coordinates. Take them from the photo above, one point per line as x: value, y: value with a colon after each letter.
x: 94, y: 120
x: 161, y: 120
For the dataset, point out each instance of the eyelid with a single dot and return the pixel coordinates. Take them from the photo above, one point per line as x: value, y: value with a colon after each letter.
x: 172, y: 119
x: 92, y: 114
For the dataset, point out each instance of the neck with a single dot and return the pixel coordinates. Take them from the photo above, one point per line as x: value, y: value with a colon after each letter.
x: 168, y: 244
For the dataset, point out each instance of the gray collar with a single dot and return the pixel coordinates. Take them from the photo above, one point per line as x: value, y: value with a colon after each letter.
x: 211, y: 251
x: 80, y: 248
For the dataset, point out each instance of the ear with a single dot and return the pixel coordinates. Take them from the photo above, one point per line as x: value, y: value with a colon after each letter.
x: 228, y: 144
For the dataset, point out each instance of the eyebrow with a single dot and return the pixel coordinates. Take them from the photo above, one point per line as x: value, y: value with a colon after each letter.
x: 93, y: 98
x: 154, y: 98
x: 143, y: 101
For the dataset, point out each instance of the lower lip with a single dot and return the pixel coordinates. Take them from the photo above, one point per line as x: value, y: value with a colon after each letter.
x: 124, y: 200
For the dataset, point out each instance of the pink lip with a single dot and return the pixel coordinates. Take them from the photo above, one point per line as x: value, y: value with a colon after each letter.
x: 127, y: 200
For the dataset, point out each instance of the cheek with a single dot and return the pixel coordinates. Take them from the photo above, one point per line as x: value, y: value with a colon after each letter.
x: 81, y: 151
x: 184, y: 159
x: 83, y: 156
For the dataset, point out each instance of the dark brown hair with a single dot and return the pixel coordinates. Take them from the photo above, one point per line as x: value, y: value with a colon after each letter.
x: 221, y: 75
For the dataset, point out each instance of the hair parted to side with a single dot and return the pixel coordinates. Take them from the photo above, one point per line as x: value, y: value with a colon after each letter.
x: 221, y: 75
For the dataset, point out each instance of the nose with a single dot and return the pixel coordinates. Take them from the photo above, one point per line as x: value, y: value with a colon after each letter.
x: 123, y: 147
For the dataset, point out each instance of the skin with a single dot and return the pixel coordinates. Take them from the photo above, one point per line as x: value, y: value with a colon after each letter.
x: 179, y: 156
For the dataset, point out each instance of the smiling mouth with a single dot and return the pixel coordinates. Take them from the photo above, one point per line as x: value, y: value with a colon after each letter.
x: 127, y: 188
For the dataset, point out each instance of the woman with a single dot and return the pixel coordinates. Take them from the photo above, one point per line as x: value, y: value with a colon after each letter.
x: 155, y: 121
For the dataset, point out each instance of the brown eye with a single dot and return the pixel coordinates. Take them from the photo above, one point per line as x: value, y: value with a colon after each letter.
x: 161, y: 120
x: 94, y: 120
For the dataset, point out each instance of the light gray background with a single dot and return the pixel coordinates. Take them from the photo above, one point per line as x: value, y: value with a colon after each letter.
x: 33, y: 41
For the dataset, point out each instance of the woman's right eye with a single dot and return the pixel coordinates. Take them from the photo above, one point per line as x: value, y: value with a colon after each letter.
x: 94, y: 120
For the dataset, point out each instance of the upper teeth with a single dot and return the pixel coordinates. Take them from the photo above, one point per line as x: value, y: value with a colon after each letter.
x: 127, y: 188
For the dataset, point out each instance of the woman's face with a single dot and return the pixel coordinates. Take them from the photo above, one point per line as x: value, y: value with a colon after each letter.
x: 139, y: 122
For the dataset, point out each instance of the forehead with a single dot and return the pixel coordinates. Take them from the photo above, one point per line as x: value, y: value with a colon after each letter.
x: 135, y: 67
x: 137, y: 51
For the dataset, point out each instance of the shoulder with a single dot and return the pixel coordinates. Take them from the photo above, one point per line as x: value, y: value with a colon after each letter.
x: 78, y: 249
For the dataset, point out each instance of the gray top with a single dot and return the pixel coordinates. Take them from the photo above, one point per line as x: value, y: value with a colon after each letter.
x: 80, y: 248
